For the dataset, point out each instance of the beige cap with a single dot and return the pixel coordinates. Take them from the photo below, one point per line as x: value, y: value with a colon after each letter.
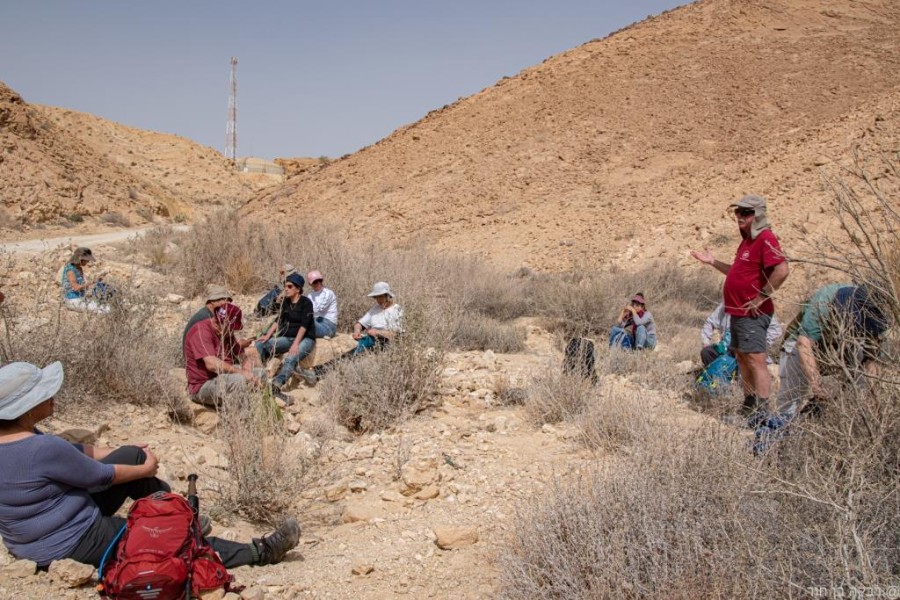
x: 215, y: 292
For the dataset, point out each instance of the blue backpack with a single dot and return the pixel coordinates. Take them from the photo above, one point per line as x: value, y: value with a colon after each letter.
x: 719, y: 375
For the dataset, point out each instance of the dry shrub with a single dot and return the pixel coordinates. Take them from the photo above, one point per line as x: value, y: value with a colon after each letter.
x: 267, y: 467
x: 555, y: 396
x: 613, y: 419
x: 505, y: 393
x: 116, y: 218
x: 120, y: 356
x: 478, y: 332
x: 372, y: 392
x: 157, y: 245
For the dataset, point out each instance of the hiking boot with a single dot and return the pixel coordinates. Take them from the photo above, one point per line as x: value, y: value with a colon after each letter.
x: 275, y: 546
x: 757, y: 419
x: 275, y: 390
x: 205, y: 525
x: 308, y: 375
x: 750, y: 406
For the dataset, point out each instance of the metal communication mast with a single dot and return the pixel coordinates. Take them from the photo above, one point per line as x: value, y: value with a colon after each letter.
x: 231, y: 127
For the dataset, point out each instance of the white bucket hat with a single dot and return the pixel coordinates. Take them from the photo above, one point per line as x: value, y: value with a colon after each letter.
x: 380, y: 289
x: 23, y: 386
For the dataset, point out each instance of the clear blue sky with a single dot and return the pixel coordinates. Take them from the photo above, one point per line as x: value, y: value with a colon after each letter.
x: 314, y: 78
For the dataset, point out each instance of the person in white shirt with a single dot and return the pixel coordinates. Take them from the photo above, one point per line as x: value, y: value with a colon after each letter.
x: 382, y: 323
x: 325, y: 306
x: 719, y: 320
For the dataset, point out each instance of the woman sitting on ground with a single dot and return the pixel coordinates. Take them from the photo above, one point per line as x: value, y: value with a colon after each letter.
x: 76, y: 287
x: 57, y: 499
x: 382, y: 323
x: 635, y: 328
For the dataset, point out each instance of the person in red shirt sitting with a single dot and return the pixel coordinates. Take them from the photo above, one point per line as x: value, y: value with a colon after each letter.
x: 758, y: 270
x: 216, y: 363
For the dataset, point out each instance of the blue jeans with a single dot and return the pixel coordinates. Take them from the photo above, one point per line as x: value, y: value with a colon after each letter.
x: 643, y: 340
x: 325, y: 328
x: 622, y: 338
x: 277, y: 346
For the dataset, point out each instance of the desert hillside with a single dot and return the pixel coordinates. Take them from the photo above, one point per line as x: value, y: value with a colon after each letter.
x: 632, y: 146
x: 61, y: 165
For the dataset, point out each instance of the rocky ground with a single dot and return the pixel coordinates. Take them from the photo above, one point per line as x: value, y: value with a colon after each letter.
x: 420, y: 509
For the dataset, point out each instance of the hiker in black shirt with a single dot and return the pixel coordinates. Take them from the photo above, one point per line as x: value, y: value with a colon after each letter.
x: 293, y: 334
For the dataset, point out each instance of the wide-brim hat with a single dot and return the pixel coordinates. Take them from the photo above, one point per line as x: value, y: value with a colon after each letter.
x: 215, y: 292
x: 23, y: 386
x: 760, y: 219
x: 381, y: 288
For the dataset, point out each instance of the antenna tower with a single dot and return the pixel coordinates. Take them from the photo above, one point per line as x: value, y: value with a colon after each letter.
x: 231, y: 127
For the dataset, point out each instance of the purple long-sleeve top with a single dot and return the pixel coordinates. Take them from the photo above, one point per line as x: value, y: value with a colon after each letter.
x: 45, y: 507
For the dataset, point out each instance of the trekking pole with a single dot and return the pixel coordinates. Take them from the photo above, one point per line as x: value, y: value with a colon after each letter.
x: 194, y: 502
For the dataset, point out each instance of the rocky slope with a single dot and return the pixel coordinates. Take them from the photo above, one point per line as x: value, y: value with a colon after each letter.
x: 61, y: 164
x: 632, y: 146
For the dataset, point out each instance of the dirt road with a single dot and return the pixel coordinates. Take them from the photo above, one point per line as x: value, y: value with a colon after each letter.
x: 42, y: 245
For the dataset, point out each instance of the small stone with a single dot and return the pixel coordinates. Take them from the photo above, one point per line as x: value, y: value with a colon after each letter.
x: 428, y: 492
x: 362, y: 452
x: 174, y: 299
x: 20, y: 569
x: 231, y: 596
x: 354, y: 513
x: 293, y: 427
x: 70, y: 573
x: 548, y: 429
x: 216, y: 594
x: 253, y: 593
x: 391, y: 496
x: 449, y: 537
x: 416, y: 475
x: 358, y: 486
x: 336, y: 492
x: 362, y: 568
x: 205, y: 419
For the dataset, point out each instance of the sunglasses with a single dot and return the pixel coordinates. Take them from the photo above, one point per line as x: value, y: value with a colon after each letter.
x: 744, y: 212
x: 290, y: 285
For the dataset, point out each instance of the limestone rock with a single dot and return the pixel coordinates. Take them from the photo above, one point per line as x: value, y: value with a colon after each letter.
x: 19, y: 569
x: 174, y: 299
x: 354, y: 513
x: 427, y: 493
x: 449, y: 537
x: 216, y: 594
x: 70, y: 573
x: 77, y: 435
x: 253, y: 593
x: 358, y: 486
x: 336, y: 492
x: 362, y: 568
x: 418, y: 474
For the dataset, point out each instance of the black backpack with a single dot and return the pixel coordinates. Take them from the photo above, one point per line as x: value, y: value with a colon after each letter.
x: 580, y: 358
x: 268, y: 304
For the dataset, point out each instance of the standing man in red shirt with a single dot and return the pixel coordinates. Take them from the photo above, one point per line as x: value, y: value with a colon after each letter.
x: 758, y: 270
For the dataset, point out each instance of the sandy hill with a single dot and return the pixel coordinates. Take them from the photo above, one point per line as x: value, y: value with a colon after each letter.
x: 631, y: 146
x: 59, y: 163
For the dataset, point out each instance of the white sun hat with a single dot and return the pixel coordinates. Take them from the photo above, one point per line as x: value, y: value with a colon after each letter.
x: 380, y: 289
x: 23, y: 386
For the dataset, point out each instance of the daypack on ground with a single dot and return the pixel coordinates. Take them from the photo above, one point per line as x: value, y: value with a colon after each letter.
x: 161, y: 554
x: 580, y: 358
x: 719, y: 375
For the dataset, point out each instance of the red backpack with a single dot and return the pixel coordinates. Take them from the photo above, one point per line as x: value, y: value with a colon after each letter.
x: 161, y: 555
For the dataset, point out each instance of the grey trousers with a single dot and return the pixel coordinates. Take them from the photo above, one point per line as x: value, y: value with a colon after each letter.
x: 794, y: 385
x: 214, y: 391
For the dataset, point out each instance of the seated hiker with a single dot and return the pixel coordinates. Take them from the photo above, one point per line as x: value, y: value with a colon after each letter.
x: 58, y: 500
x: 214, y: 297
x: 841, y: 327
x: 719, y: 322
x: 381, y: 323
x: 80, y: 293
x: 293, y: 334
x: 269, y: 303
x: 325, y: 306
x: 635, y: 328
x: 216, y: 363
